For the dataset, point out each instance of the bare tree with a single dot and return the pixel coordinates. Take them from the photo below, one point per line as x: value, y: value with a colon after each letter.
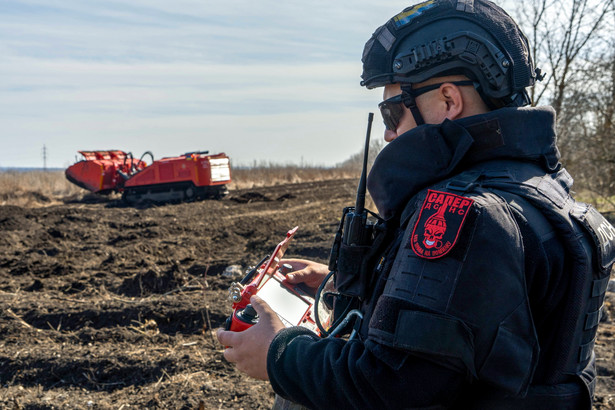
x: 559, y: 31
x: 579, y: 26
x: 532, y: 13
x: 575, y: 47
x: 597, y: 164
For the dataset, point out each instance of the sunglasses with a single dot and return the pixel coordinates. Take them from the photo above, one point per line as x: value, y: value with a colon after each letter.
x: 392, y: 109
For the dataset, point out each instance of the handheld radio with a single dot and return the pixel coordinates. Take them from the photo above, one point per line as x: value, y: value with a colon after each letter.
x: 350, y: 253
x: 354, y: 236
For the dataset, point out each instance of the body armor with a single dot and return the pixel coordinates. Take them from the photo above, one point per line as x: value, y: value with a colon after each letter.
x: 475, y: 314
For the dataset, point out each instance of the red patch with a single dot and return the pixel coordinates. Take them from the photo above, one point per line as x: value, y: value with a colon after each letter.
x: 439, y: 224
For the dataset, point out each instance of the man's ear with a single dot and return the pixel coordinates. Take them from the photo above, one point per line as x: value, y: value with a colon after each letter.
x: 452, y: 96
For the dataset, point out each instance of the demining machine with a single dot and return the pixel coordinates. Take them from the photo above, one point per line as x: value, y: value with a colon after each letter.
x: 193, y: 175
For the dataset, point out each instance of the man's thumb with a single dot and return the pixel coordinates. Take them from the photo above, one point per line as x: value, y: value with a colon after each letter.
x: 295, y: 277
x: 261, y: 307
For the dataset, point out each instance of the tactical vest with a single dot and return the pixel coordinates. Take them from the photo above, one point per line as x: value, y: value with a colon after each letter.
x: 589, y: 240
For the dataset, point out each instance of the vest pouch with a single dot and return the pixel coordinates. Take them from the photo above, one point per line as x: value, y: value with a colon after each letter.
x: 563, y: 396
x: 351, y: 278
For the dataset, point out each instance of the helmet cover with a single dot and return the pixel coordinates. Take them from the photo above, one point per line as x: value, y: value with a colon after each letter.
x: 443, y: 37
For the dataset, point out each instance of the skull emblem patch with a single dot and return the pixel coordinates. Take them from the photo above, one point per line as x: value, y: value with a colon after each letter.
x: 439, y: 223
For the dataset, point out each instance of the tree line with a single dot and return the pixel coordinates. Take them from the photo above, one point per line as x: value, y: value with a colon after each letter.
x: 574, y: 45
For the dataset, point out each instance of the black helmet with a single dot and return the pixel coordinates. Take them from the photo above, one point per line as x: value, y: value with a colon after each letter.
x: 444, y: 37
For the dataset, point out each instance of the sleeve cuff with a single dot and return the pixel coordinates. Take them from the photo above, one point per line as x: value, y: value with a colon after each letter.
x: 277, y: 348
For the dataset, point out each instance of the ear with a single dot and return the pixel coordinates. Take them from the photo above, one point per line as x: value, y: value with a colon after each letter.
x: 451, y: 95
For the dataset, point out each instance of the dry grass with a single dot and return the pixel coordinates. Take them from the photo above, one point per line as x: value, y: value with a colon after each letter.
x: 604, y: 203
x: 35, y: 188
x: 38, y: 188
x: 269, y: 175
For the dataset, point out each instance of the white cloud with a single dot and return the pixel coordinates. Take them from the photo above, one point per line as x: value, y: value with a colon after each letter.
x: 258, y: 112
x: 265, y: 80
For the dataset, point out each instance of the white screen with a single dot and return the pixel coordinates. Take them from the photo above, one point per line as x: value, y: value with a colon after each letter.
x: 286, y: 304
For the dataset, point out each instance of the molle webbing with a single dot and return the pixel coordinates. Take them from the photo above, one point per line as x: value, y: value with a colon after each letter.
x: 587, y: 237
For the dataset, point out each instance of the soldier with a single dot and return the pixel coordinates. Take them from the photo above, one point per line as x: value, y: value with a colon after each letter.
x: 484, y: 284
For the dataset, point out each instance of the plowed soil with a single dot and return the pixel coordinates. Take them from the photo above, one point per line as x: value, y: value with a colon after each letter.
x: 107, y: 306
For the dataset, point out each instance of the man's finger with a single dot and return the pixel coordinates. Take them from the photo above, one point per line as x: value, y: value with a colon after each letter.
x: 225, y: 337
x: 229, y: 355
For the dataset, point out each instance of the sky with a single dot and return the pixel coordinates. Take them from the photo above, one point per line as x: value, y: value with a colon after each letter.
x: 264, y: 81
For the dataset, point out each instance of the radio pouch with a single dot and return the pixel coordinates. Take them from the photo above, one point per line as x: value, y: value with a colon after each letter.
x: 355, y: 264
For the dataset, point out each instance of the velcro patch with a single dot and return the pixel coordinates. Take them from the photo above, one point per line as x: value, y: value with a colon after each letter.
x: 440, y: 220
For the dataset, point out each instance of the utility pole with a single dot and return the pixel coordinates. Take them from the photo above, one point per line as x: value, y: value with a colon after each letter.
x: 44, y: 157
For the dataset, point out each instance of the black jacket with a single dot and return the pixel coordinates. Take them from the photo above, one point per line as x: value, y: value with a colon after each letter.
x: 490, y: 299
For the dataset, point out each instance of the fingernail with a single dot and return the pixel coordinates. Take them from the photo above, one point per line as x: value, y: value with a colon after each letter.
x: 291, y: 277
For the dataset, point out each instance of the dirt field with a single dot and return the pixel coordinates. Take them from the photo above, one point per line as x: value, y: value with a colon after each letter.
x: 105, y: 306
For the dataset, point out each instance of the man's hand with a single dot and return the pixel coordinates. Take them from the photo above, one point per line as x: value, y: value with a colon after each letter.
x: 308, y: 272
x: 248, y: 349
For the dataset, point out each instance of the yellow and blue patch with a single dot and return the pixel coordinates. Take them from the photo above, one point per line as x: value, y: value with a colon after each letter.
x: 407, y: 16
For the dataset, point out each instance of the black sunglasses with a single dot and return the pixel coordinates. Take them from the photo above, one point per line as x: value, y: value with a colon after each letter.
x: 392, y: 110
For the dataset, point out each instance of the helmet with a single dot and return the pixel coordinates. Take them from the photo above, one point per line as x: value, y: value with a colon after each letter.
x: 475, y: 38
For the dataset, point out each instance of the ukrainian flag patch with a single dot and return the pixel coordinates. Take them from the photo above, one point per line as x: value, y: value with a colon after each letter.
x: 407, y: 16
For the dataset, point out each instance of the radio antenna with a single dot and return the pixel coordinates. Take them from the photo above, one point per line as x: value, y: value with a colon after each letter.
x: 360, y: 205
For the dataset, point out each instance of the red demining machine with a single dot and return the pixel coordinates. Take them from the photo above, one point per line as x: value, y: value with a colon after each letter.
x: 193, y: 175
